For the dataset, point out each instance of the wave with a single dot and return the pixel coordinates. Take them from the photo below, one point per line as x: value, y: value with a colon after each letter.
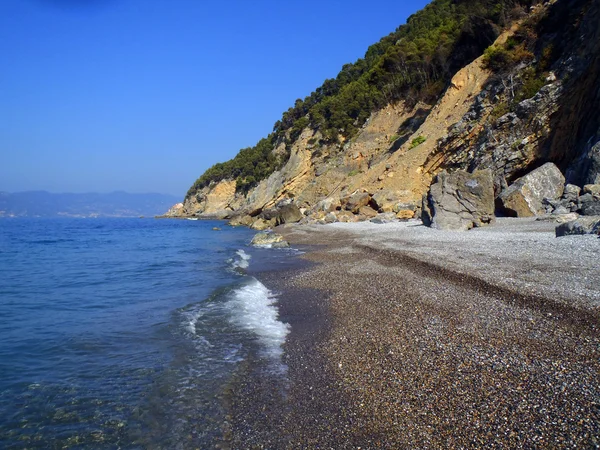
x: 253, y: 308
x: 236, y: 317
x: 242, y: 260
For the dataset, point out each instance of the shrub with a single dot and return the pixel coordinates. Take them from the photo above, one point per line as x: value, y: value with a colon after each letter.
x: 417, y: 141
x: 529, y: 84
x: 500, y: 109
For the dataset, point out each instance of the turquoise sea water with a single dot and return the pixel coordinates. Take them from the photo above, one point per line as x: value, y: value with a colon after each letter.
x: 125, y: 332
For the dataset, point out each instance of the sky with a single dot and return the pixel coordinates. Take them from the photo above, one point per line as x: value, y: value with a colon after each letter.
x: 144, y: 95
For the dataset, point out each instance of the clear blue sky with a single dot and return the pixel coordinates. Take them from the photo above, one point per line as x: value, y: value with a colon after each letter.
x: 144, y: 95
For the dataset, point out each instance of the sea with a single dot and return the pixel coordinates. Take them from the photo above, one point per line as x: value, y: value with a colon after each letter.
x: 128, y: 333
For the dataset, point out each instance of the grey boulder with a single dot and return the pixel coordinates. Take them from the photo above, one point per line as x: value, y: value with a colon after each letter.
x: 384, y: 218
x: 525, y: 197
x: 571, y: 192
x: 460, y: 201
x: 589, y: 206
x: 583, y: 225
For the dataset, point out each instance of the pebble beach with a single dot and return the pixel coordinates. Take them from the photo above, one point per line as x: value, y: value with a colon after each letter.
x: 408, y: 337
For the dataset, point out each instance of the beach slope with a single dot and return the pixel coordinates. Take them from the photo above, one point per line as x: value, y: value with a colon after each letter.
x: 430, y: 339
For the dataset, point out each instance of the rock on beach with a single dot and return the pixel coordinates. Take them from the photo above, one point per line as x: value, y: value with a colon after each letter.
x: 271, y: 239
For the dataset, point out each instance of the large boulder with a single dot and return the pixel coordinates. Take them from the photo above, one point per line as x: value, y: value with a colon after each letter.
x: 583, y: 225
x: 345, y: 216
x: 262, y: 224
x: 269, y: 240
x: 287, y: 213
x: 460, y: 201
x: 241, y: 220
x: 385, y: 200
x: 331, y: 217
x: 571, y: 193
x: 356, y: 201
x: 525, y: 197
x: 384, y: 218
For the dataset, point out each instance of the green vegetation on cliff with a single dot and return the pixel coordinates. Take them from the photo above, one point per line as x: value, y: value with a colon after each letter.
x: 524, y: 60
x: 249, y: 166
x: 414, y: 63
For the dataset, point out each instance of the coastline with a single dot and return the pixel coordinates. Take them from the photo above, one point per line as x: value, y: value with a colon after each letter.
x: 403, y: 336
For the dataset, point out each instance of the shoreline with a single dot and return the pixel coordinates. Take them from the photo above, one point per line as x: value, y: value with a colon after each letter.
x: 411, y: 346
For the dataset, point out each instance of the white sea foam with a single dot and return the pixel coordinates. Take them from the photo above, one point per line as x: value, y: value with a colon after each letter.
x: 252, y: 308
x: 242, y: 261
x: 190, y: 319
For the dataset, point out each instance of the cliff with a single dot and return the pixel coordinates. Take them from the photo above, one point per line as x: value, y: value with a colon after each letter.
x: 529, y: 98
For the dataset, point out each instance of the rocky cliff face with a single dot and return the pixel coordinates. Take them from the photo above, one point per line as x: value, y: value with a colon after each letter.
x: 560, y: 123
x: 479, y: 123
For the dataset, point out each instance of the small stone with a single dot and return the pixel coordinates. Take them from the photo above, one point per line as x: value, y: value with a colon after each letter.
x: 405, y: 214
x: 330, y: 218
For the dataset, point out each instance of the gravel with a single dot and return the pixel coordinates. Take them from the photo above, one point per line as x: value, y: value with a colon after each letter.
x: 409, y: 337
x: 519, y: 254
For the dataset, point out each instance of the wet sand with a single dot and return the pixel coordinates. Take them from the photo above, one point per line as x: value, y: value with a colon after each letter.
x: 405, y: 337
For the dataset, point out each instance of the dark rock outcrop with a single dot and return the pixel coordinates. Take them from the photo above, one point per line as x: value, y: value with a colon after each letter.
x: 589, y: 205
x: 583, y: 225
x: 460, y: 201
x: 592, y: 173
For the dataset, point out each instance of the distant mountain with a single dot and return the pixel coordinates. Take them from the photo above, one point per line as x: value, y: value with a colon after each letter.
x: 115, y: 204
